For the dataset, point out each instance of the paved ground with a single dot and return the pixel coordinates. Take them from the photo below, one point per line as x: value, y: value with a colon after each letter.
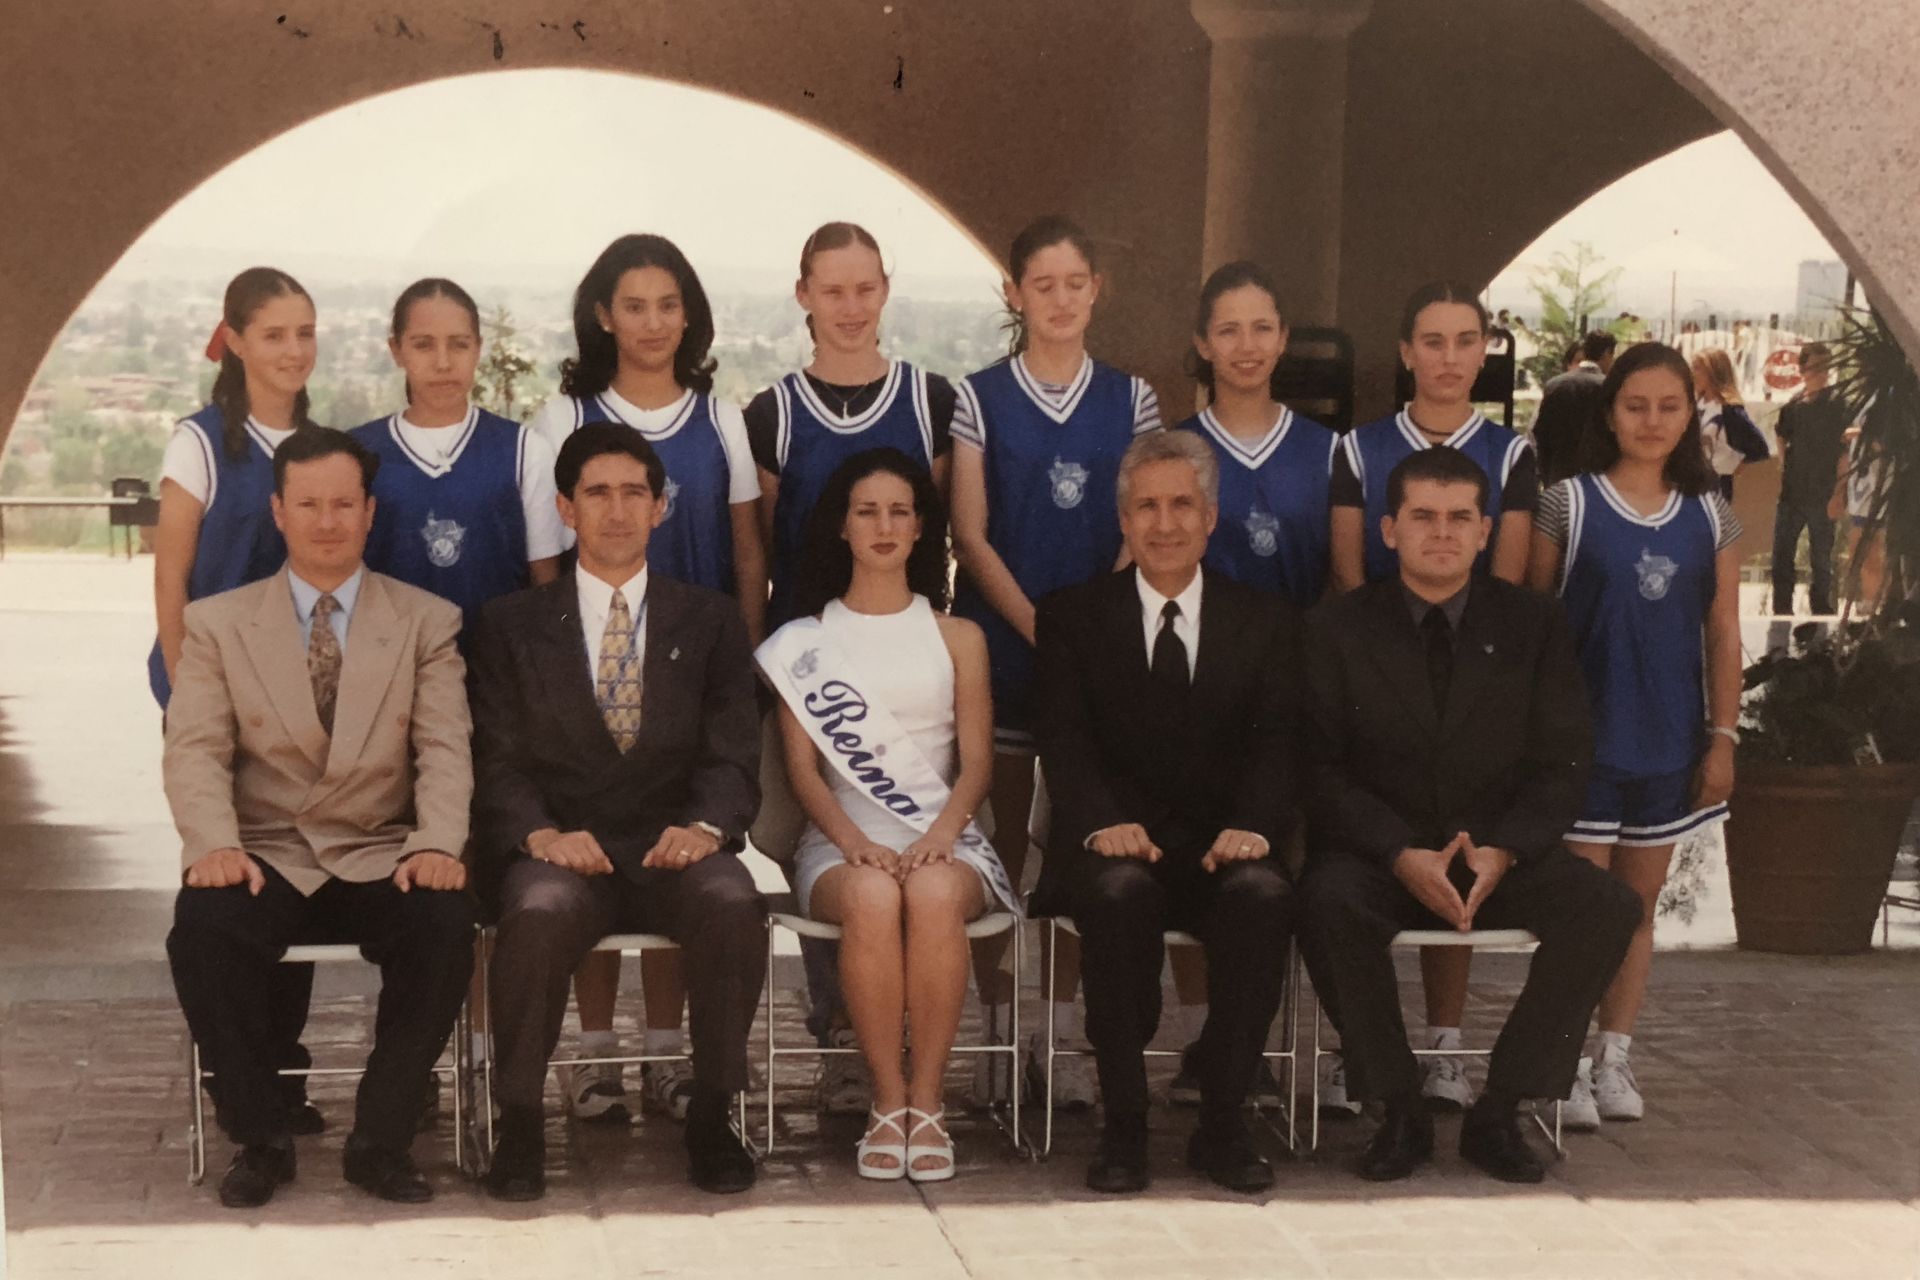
x: 1783, y: 1135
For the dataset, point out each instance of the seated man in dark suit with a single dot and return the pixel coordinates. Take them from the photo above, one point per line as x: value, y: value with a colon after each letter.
x: 1166, y: 727
x: 1450, y: 744
x: 616, y: 755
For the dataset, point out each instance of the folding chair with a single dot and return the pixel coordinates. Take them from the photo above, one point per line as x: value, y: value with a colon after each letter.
x: 457, y: 1068
x: 1289, y: 1018
x: 1478, y: 940
x: 990, y: 925
x: 626, y: 944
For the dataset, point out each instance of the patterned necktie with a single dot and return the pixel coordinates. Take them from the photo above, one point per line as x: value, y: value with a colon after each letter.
x: 617, y: 680
x: 1169, y: 668
x: 323, y: 660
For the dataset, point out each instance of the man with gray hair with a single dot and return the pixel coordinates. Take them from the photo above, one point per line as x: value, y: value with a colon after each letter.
x: 1168, y: 700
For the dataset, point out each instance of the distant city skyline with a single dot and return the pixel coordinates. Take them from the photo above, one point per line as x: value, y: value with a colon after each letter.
x: 516, y: 179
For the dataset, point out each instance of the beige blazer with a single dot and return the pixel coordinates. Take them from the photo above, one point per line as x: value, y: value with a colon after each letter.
x: 248, y: 766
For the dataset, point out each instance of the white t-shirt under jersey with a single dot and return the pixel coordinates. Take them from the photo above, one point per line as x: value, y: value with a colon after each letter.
x: 555, y: 418
x: 187, y: 463
x: 547, y: 534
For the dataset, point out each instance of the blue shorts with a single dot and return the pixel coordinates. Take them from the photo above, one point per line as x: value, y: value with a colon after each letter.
x: 1640, y: 812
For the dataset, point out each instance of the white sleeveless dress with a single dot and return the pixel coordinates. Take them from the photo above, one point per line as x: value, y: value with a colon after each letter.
x: 905, y: 667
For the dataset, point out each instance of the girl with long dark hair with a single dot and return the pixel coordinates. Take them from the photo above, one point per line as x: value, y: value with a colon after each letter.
x: 1640, y: 547
x: 873, y: 587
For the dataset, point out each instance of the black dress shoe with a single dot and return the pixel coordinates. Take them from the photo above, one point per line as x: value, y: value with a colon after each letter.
x: 304, y: 1119
x: 256, y: 1172
x: 717, y: 1161
x: 384, y: 1172
x: 1224, y: 1151
x: 518, y: 1172
x: 1495, y: 1144
x: 1120, y: 1165
x: 1402, y: 1144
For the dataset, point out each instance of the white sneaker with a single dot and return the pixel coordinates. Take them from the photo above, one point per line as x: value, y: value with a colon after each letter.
x: 666, y: 1088
x: 1331, y: 1073
x: 596, y: 1093
x: 841, y: 1088
x: 1615, y: 1091
x: 1076, y: 1085
x: 1578, y: 1113
x: 1445, y: 1087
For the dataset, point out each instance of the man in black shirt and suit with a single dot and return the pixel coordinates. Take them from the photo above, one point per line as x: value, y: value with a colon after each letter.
x: 616, y: 763
x: 1167, y: 730
x: 1812, y: 430
x: 1450, y: 741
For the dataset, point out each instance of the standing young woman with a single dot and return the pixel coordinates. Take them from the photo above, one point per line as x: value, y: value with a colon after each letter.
x: 871, y: 598
x: 216, y: 530
x: 1041, y: 436
x: 1640, y: 546
x: 1272, y: 530
x: 848, y: 399
x: 1728, y: 436
x: 1443, y: 343
x: 464, y: 497
x: 643, y: 327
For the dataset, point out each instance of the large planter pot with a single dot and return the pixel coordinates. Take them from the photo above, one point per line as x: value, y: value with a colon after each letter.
x: 1810, y: 849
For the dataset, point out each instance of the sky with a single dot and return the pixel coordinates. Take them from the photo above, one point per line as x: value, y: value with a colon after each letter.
x: 519, y: 178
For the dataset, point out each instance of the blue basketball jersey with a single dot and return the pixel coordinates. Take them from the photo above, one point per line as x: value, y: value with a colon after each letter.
x: 1637, y: 590
x: 1374, y: 450
x: 812, y: 440
x: 1051, y: 473
x: 454, y: 527
x: 1272, y: 532
x: 238, y: 542
x: 694, y: 540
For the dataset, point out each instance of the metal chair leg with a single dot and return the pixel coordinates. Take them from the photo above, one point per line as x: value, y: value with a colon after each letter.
x: 773, y: 1051
x: 197, y: 1123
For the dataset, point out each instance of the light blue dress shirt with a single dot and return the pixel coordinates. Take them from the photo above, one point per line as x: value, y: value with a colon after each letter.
x: 306, y: 595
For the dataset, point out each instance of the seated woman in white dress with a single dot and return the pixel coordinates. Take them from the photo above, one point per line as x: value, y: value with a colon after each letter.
x: 887, y: 721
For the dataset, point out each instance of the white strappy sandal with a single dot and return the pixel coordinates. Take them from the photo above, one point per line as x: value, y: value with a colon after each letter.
x: 868, y: 1147
x: 918, y: 1151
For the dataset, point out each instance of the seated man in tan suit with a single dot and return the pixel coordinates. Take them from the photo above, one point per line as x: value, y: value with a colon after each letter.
x: 318, y: 766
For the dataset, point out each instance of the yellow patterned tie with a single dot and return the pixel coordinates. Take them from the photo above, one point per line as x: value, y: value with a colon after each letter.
x: 323, y: 660
x: 617, y: 682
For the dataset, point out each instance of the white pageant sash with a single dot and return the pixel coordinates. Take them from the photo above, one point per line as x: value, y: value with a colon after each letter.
x: 864, y: 743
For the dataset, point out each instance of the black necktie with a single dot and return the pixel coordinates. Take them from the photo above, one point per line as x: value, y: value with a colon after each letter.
x: 1169, y: 669
x: 1439, y: 654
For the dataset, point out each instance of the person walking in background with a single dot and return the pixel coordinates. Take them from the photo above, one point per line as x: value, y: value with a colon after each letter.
x: 1812, y: 430
x: 1727, y: 431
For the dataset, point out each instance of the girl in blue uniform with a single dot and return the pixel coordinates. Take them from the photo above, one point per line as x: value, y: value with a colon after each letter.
x: 850, y: 398
x: 464, y: 497
x: 1274, y: 465
x: 216, y: 531
x: 1640, y: 546
x: 1443, y: 343
x: 1040, y: 437
x: 643, y: 328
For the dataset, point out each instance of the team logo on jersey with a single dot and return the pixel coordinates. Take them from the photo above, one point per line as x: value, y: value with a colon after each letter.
x: 1656, y: 574
x: 673, y: 491
x: 806, y: 664
x: 443, y: 539
x: 1263, y: 533
x: 1069, y: 481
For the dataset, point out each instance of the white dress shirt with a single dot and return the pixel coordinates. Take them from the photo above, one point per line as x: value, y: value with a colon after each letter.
x: 596, y: 602
x: 306, y: 596
x: 1186, y: 626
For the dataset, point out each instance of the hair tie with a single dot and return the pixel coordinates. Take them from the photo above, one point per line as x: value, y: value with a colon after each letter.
x: 217, y: 344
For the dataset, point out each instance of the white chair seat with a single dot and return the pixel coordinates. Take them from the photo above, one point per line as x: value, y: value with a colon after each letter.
x: 1478, y: 939
x: 990, y: 925
x: 635, y: 943
x: 323, y: 953
x: 1174, y: 937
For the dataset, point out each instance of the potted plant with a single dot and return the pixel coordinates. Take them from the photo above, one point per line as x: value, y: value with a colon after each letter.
x: 1829, y: 757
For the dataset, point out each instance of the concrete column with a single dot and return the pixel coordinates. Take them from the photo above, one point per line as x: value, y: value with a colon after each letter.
x: 1276, y: 141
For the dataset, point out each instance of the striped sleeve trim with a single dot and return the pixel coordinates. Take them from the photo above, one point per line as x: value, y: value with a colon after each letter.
x: 1146, y: 408
x: 1726, y: 525
x: 969, y: 425
x: 1554, y: 514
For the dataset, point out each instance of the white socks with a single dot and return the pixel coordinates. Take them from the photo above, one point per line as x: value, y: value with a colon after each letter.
x: 1613, y: 1046
x: 1443, y: 1037
x: 599, y: 1044
x: 660, y: 1042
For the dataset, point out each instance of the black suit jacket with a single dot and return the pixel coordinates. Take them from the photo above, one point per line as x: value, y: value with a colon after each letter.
x: 542, y: 753
x: 1115, y: 750
x: 1505, y: 760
